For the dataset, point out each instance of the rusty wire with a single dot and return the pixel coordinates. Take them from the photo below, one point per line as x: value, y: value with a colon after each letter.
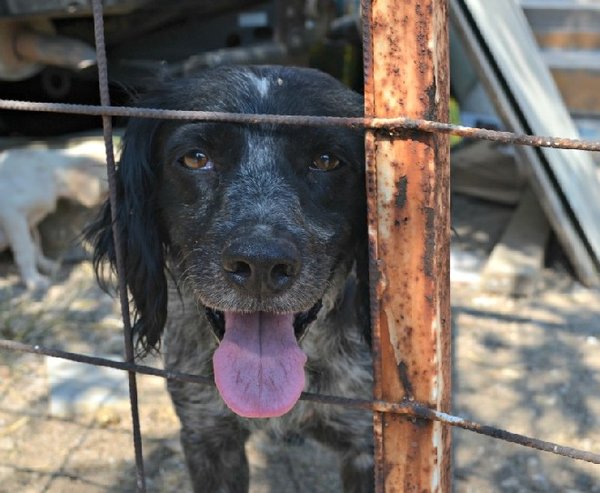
x: 394, y: 127
x: 411, y: 409
x: 120, y: 261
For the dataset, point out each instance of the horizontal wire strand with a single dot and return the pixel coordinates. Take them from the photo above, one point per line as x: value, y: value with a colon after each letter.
x: 395, y: 127
x: 410, y: 409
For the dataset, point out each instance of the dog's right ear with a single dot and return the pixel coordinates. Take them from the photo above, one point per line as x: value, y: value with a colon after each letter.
x: 141, y: 240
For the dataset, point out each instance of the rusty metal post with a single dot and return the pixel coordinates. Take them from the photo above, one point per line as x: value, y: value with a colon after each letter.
x: 406, y: 74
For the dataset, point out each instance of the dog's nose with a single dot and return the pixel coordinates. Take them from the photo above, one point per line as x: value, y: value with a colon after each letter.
x: 261, y: 267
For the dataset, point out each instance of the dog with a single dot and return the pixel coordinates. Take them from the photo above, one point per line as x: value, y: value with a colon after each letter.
x: 247, y: 245
x: 31, y: 183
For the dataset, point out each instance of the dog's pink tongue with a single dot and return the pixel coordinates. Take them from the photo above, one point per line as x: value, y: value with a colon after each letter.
x: 259, y: 368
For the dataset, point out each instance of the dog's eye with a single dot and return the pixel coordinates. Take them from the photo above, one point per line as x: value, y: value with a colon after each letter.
x: 195, y: 160
x: 326, y: 162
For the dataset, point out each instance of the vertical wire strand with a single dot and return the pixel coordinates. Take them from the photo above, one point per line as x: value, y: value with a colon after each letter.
x: 110, y: 166
x: 371, y: 187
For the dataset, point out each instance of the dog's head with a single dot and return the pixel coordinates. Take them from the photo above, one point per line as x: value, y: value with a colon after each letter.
x: 256, y: 220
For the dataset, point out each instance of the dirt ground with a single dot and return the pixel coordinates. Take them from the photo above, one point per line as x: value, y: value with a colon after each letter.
x: 529, y: 365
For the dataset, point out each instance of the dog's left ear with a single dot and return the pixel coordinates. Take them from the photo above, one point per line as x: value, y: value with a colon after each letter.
x: 142, y: 243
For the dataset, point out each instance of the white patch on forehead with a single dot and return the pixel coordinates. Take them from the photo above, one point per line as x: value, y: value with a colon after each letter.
x: 262, y: 84
x: 260, y: 151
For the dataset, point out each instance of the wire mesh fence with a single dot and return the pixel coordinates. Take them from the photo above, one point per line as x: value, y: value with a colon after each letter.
x: 393, y: 128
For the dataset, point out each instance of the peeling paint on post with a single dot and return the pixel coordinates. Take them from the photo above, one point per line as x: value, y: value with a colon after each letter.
x: 406, y: 74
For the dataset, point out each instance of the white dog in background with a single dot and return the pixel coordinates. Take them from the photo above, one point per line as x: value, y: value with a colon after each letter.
x: 31, y: 182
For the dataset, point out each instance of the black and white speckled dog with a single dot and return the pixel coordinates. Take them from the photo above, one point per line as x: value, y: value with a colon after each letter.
x: 255, y: 237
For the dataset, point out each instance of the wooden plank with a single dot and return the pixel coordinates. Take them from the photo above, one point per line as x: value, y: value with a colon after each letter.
x: 406, y: 73
x: 517, y: 259
x: 566, y: 182
x: 579, y: 89
x: 560, y: 40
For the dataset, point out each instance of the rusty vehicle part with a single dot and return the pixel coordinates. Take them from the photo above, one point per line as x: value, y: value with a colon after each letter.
x: 406, y: 72
x: 26, y: 47
x: 53, y: 50
x: 267, y: 53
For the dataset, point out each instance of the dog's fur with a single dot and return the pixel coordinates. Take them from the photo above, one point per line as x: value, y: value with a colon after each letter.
x: 31, y: 182
x: 262, y: 196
